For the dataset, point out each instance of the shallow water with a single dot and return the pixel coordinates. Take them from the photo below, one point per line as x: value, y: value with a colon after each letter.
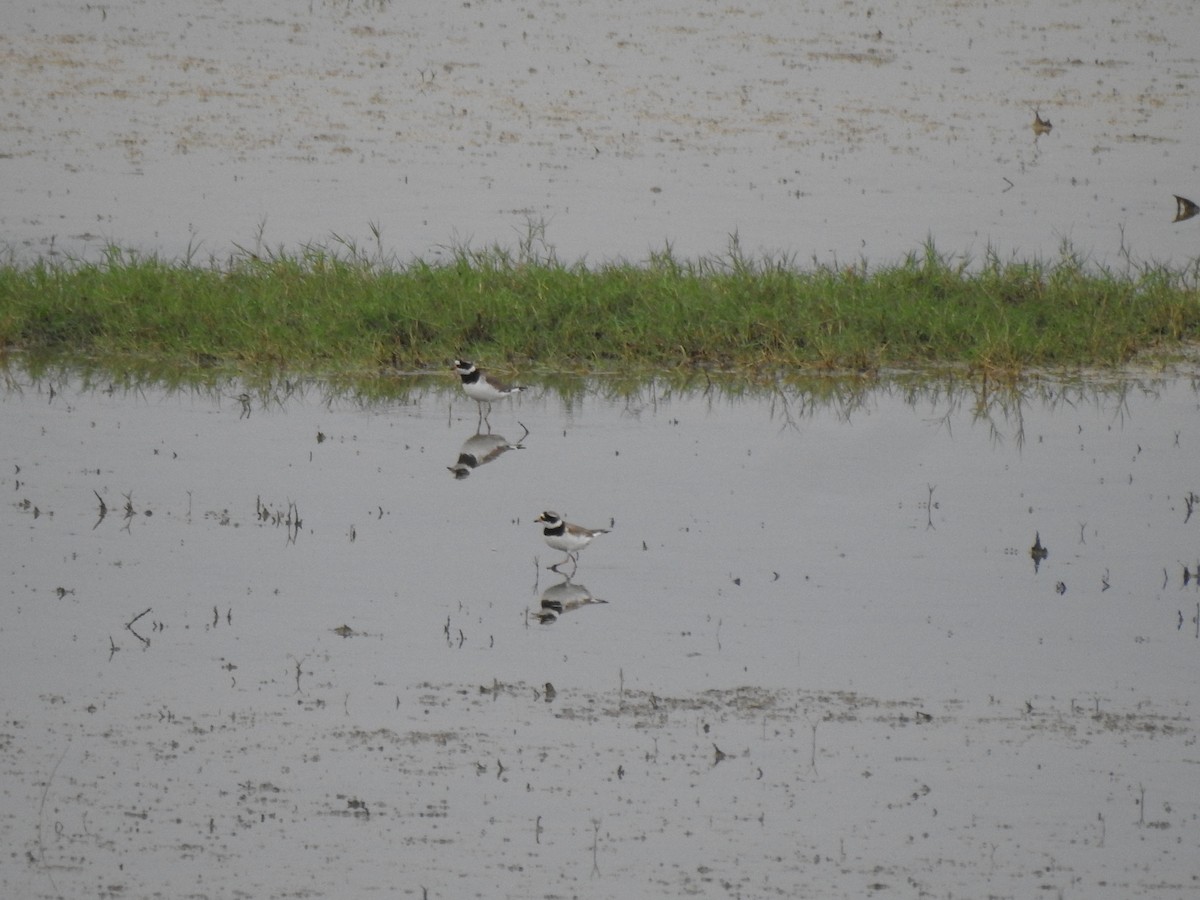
x: 830, y: 130
x: 296, y: 655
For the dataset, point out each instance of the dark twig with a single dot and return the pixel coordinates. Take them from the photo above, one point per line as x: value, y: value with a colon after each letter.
x: 41, y: 810
x: 595, y: 844
x: 129, y: 627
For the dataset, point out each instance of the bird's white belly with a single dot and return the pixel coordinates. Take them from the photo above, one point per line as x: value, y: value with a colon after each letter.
x: 482, y: 391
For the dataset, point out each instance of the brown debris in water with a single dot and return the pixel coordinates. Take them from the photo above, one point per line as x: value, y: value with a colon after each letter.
x: 1184, y: 209
x: 1040, y: 125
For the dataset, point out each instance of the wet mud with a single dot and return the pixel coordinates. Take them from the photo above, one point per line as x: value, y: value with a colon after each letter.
x: 834, y: 131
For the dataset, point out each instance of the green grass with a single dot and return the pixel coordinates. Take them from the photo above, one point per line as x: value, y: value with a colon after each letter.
x: 321, y: 311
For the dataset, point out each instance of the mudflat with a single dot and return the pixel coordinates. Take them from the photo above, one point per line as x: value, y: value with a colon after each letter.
x: 832, y: 131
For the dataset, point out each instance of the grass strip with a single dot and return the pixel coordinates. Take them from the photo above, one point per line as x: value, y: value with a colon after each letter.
x: 322, y: 310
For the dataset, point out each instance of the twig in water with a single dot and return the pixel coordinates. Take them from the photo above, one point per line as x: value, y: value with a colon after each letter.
x: 129, y: 511
x: 129, y: 626
x: 299, y: 672
x: 41, y: 809
x: 812, y: 759
x: 595, y: 843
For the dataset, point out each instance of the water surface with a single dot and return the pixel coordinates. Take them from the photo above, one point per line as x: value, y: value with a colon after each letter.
x: 297, y: 654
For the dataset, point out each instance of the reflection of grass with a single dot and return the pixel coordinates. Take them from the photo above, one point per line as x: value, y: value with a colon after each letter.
x: 341, y: 311
x: 999, y: 404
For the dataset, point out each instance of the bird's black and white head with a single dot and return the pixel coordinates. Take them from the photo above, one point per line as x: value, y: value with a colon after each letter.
x: 552, y: 520
x: 465, y: 368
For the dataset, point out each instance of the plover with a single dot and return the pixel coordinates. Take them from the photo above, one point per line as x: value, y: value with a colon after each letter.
x: 481, y: 387
x: 564, y: 536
